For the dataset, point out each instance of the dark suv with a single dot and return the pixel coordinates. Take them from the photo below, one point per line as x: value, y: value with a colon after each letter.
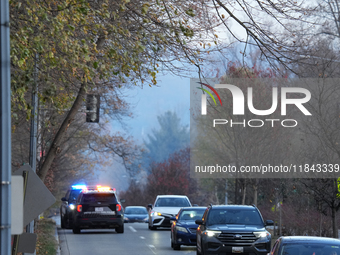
x: 230, y: 229
x: 98, y: 208
x: 68, y: 205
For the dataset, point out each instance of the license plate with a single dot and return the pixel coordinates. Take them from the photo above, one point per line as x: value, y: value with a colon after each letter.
x: 237, y: 250
x: 99, y: 209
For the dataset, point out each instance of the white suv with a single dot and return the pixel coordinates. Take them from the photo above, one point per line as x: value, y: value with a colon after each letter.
x: 165, y: 207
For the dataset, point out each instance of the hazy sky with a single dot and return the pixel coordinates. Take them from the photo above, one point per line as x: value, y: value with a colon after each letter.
x: 173, y: 94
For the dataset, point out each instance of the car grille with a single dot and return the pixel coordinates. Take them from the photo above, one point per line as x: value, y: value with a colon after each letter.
x: 237, y: 238
x: 193, y: 230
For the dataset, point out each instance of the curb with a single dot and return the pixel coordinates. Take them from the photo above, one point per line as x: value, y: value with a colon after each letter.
x: 56, y: 220
x: 57, y: 239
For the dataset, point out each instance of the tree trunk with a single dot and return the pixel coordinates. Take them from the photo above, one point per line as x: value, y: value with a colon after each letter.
x: 216, y: 195
x: 236, y: 191
x: 244, y: 190
x: 255, y: 186
x: 335, y: 231
x: 55, y: 148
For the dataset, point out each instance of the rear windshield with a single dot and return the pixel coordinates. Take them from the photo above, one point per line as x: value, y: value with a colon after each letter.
x: 322, y: 249
x: 232, y: 216
x: 99, y: 197
x: 135, y: 210
x: 172, y: 202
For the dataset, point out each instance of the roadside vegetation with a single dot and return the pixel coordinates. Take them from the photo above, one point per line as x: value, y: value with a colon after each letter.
x: 46, y: 241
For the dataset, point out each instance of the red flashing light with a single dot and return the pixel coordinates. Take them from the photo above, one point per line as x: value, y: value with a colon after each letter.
x: 118, y: 207
x: 79, y: 208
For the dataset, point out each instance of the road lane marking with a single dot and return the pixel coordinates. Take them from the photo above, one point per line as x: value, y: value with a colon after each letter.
x: 132, y: 229
x: 142, y: 237
x: 152, y: 248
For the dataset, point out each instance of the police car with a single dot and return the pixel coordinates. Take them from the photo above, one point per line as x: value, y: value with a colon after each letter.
x: 98, y: 207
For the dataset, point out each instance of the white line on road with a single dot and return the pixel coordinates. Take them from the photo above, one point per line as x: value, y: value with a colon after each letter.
x: 132, y: 229
x: 142, y: 237
x: 152, y: 248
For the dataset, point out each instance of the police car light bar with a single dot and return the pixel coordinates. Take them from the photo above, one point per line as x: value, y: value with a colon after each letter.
x: 79, y: 186
x: 105, y: 188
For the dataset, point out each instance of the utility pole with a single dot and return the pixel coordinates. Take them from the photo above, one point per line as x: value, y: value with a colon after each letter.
x: 5, y: 131
x: 33, y: 133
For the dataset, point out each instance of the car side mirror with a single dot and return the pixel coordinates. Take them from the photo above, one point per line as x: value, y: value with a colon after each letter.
x: 63, y: 199
x: 269, y: 223
x: 122, y: 200
x: 150, y: 206
x: 199, y: 222
x: 172, y: 219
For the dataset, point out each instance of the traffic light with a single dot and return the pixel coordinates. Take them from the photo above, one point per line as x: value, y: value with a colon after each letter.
x: 92, y: 108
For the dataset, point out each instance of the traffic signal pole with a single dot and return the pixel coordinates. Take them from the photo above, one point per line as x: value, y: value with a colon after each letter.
x: 5, y: 131
x: 33, y: 135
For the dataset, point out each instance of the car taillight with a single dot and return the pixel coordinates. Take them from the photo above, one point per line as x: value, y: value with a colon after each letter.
x: 118, y: 207
x: 79, y: 208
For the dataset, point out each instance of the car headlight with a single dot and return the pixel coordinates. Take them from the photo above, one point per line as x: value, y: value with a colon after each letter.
x: 125, y: 218
x: 181, y: 229
x: 156, y: 214
x: 263, y: 235
x: 72, y: 206
x: 146, y: 219
x: 211, y: 233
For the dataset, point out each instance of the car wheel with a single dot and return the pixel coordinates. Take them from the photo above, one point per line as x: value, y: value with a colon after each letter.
x: 76, y: 230
x: 176, y: 247
x: 120, y: 229
x: 152, y: 228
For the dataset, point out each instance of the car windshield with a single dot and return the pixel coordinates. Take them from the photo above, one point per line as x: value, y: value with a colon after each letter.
x: 74, y: 194
x: 172, y: 202
x: 104, y: 198
x: 234, y: 216
x: 316, y: 249
x: 135, y: 210
x: 191, y: 215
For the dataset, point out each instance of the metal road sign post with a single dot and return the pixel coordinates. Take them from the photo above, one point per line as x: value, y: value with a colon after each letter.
x: 5, y: 131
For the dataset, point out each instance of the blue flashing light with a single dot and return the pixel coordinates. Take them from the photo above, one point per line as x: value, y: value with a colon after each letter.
x: 79, y: 186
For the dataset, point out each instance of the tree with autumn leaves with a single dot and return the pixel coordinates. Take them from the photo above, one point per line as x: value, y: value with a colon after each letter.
x: 169, y: 177
x: 81, y: 47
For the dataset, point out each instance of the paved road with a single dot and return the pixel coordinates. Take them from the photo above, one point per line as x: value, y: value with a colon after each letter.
x: 136, y: 240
